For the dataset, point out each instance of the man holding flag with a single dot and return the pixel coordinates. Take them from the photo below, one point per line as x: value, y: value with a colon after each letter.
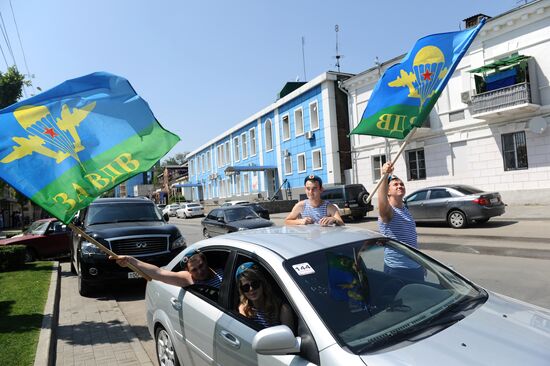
x: 400, y: 102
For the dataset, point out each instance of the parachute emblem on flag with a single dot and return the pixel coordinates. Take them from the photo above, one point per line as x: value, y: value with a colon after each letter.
x: 56, y: 138
x: 428, y: 69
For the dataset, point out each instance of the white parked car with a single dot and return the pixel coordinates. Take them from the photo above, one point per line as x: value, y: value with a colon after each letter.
x: 347, y: 309
x: 189, y: 209
x: 171, y: 209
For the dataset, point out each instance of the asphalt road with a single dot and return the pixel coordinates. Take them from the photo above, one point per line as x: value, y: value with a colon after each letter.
x: 496, y: 256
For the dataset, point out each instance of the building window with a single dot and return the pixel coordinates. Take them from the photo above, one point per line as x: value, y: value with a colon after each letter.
x: 299, y: 122
x: 286, y: 128
x: 268, y: 136
x: 377, y: 162
x: 236, y: 153
x: 313, y: 116
x: 208, y: 161
x: 219, y: 156
x: 237, y: 185
x: 246, y: 187
x: 252, y: 142
x: 514, y: 151
x: 416, y: 164
x: 227, y: 153
x: 301, y: 162
x: 317, y: 159
x: 288, y: 165
x: 244, y: 140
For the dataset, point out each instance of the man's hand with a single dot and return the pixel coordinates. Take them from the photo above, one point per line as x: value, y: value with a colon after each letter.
x: 121, y: 260
x: 307, y: 221
x: 327, y: 220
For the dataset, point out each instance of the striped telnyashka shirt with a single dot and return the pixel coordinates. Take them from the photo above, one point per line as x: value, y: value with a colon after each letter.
x: 402, y: 228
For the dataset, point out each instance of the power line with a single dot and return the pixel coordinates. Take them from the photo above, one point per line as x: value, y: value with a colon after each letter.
x: 4, y: 56
x: 6, y: 38
x: 21, y: 45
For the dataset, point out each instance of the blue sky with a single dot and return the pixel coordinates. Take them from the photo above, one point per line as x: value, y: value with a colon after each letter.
x: 205, y: 66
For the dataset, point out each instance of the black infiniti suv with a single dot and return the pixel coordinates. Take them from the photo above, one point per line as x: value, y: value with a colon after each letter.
x: 351, y: 199
x: 127, y: 226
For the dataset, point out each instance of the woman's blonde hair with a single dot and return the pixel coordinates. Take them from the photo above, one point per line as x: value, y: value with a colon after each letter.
x: 272, y: 304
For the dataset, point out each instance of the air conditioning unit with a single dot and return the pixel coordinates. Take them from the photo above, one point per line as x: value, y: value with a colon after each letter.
x: 309, y: 135
x: 465, y: 97
x: 286, y: 153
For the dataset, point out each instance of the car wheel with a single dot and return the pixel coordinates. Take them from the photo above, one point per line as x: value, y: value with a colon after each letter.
x: 30, y: 255
x: 185, y: 215
x: 457, y: 219
x: 205, y: 233
x: 166, y: 354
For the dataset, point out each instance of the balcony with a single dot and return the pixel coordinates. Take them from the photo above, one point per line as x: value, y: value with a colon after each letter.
x: 510, y: 101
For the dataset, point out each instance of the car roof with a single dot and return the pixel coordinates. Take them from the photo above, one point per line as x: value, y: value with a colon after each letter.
x: 225, y: 208
x: 293, y: 241
x: 454, y: 186
x: 100, y: 201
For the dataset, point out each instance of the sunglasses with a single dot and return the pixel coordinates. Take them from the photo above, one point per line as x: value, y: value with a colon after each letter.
x: 254, y: 285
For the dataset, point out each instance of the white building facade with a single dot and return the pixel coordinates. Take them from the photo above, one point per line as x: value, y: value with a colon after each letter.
x: 489, y: 128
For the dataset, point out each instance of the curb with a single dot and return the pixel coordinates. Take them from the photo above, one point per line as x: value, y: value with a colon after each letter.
x: 45, y: 351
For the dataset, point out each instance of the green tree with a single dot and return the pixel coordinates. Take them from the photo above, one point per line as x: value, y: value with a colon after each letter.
x: 177, y: 159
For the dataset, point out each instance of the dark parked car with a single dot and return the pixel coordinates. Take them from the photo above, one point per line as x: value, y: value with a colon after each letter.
x: 351, y: 199
x: 458, y: 205
x: 45, y: 238
x: 262, y: 212
x: 229, y: 219
x: 127, y: 226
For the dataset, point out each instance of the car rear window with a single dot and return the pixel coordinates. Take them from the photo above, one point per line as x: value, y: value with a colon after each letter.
x: 353, y: 192
x: 467, y: 190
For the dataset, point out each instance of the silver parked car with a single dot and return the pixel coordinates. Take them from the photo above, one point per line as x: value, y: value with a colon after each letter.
x: 458, y: 205
x: 347, y: 309
x: 189, y: 209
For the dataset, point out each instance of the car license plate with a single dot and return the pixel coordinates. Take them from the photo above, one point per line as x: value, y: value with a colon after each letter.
x: 494, y: 200
x: 133, y: 275
x: 354, y: 205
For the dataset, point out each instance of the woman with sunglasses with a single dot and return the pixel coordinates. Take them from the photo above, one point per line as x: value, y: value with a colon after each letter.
x: 257, y: 300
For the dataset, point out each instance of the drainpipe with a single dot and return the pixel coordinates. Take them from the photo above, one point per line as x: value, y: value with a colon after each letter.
x: 353, y: 153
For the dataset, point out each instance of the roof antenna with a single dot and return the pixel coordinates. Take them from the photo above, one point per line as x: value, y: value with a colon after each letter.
x: 338, y: 56
x: 304, y: 57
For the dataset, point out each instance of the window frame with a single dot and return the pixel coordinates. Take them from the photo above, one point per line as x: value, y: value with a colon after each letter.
x: 301, y: 111
x: 289, y: 160
x: 298, y: 156
x: 252, y: 133
x: 268, y: 136
x: 236, y: 149
x: 311, y: 128
x: 378, y: 169
x: 418, y: 169
x: 244, y: 145
x: 313, y: 152
x: 285, y: 120
x: 515, y: 151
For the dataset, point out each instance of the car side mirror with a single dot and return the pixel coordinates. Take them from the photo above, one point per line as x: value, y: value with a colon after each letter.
x: 220, y: 219
x: 278, y: 340
x: 166, y: 217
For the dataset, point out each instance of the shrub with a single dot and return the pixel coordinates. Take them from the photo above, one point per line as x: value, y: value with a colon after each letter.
x: 12, y: 257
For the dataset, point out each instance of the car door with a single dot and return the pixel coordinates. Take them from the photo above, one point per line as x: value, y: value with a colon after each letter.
x: 57, y: 239
x: 193, y: 313
x: 416, y: 203
x: 234, y: 333
x: 211, y: 222
x: 438, y: 204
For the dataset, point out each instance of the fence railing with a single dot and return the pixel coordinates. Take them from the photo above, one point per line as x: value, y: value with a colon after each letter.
x: 501, y: 98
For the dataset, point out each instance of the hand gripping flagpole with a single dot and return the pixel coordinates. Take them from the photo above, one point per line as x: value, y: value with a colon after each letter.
x: 385, y: 176
x: 106, y: 250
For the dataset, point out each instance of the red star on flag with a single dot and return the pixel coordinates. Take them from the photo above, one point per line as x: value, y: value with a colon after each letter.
x: 427, y: 75
x: 51, y: 132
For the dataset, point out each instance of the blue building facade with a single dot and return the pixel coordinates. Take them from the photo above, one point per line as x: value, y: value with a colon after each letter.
x: 270, y: 153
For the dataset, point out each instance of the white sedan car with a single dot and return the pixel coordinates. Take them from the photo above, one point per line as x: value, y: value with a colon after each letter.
x: 189, y: 210
x: 347, y: 309
x: 171, y: 209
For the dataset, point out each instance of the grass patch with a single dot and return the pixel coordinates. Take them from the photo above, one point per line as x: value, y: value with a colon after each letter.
x: 23, y: 295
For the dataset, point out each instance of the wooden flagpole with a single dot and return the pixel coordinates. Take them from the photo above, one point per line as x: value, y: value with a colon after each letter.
x: 106, y: 250
x: 385, y: 176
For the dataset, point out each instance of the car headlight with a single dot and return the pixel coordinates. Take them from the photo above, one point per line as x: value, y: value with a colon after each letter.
x: 179, y: 242
x: 89, y: 248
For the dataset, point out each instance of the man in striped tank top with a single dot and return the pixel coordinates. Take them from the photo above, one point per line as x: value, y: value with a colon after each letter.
x: 196, y: 270
x: 396, y: 222
x: 314, y: 210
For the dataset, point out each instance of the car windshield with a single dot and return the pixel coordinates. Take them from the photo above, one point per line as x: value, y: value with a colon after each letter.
x: 37, y: 228
x: 240, y: 213
x: 365, y: 307
x: 467, y: 190
x: 193, y: 205
x: 122, y: 212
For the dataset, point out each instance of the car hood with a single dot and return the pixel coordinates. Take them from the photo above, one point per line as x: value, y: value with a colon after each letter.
x: 19, y: 239
x: 251, y: 223
x: 132, y: 228
x: 503, y: 331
